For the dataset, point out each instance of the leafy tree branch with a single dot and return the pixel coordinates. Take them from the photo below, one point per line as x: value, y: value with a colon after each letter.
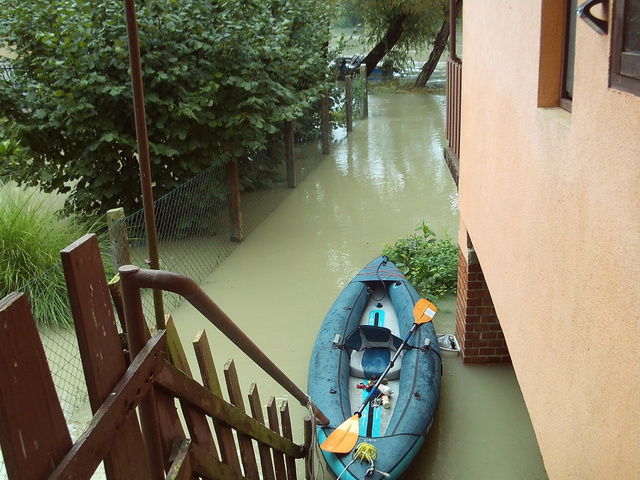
x: 219, y: 79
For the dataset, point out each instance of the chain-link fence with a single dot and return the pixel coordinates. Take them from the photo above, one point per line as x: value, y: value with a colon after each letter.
x: 7, y: 72
x: 194, y: 236
x: 193, y: 225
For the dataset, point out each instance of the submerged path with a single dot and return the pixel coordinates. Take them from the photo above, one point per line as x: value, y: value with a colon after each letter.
x: 377, y: 185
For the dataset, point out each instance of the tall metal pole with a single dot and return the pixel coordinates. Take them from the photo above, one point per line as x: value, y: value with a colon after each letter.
x: 143, y: 152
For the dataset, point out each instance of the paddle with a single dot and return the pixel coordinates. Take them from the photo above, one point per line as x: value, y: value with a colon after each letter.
x: 344, y: 438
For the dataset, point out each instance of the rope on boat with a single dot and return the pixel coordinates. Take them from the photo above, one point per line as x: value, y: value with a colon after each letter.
x: 365, y: 451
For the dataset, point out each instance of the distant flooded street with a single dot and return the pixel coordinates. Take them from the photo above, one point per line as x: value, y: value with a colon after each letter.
x: 376, y: 186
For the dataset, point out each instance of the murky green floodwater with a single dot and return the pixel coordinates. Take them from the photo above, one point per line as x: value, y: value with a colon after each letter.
x: 375, y: 187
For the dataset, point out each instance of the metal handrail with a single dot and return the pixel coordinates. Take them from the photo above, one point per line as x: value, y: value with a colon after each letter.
x: 134, y: 278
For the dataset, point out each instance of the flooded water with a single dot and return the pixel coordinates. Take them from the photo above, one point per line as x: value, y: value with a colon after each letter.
x: 378, y: 185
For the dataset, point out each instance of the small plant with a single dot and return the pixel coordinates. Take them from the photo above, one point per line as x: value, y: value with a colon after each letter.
x: 32, y: 235
x: 429, y: 263
x: 10, y: 156
x: 8, y: 147
x: 358, y: 91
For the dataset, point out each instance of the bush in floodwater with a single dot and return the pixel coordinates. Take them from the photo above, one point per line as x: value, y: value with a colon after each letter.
x: 429, y: 263
x: 32, y: 235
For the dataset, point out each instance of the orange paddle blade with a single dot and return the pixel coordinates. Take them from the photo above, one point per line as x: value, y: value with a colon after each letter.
x: 343, y: 438
x: 424, y: 311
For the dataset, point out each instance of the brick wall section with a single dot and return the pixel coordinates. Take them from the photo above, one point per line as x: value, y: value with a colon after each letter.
x: 477, y: 326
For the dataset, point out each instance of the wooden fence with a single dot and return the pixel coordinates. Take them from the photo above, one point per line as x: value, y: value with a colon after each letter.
x: 288, y: 134
x: 454, y: 102
x: 136, y: 383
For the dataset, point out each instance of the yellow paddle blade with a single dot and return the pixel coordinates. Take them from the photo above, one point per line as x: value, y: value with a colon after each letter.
x: 424, y: 311
x: 343, y: 438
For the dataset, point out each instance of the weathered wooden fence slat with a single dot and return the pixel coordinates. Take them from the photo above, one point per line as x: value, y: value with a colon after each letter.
x: 287, y: 432
x: 206, y: 364
x: 98, y: 339
x: 244, y: 441
x: 226, y: 442
x: 197, y: 422
x: 29, y: 404
x: 265, y: 453
x: 118, y: 237
x: 274, y: 424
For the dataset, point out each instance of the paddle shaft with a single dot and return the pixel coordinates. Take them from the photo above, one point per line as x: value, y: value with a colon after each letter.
x: 414, y: 327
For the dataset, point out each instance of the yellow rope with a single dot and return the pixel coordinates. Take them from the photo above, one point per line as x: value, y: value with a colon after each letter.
x: 365, y: 451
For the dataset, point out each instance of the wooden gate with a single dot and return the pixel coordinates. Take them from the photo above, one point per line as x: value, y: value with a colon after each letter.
x: 135, y: 391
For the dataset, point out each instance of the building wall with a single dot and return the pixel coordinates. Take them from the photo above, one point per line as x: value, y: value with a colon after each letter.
x: 477, y: 326
x: 551, y: 202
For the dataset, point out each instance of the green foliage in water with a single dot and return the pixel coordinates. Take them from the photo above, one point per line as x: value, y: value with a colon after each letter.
x: 429, y: 263
x: 31, y: 236
x: 358, y: 91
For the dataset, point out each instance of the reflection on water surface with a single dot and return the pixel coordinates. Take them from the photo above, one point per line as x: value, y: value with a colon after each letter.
x: 377, y: 186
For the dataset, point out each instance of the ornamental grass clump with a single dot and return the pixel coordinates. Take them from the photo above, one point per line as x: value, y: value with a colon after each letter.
x: 429, y: 263
x: 31, y: 237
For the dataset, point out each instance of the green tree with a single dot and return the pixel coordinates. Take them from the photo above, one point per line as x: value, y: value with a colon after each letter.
x: 346, y: 15
x: 395, y: 27
x: 219, y: 79
x: 439, y: 44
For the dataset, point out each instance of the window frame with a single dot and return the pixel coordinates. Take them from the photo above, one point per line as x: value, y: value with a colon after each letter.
x: 624, y: 71
x: 568, y: 54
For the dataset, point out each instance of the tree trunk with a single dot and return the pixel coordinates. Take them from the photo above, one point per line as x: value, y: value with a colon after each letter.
x: 439, y: 44
x: 384, y: 46
x: 438, y: 47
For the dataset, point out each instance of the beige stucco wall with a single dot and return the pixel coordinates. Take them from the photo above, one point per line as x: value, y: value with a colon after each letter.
x: 551, y: 202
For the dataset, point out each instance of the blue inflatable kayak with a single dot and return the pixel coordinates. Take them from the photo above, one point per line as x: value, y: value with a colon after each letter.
x: 359, y: 336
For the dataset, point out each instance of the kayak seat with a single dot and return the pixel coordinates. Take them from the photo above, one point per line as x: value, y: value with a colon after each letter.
x: 371, y: 351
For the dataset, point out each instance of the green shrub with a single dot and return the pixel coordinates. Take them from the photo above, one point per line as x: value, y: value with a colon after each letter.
x: 219, y: 80
x: 31, y: 236
x: 429, y: 263
x: 11, y: 154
